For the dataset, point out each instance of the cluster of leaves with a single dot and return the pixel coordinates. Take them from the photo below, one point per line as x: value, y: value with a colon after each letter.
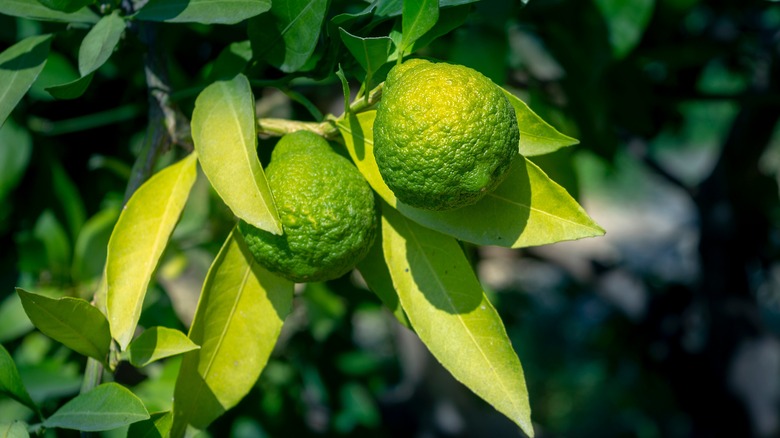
x: 417, y: 268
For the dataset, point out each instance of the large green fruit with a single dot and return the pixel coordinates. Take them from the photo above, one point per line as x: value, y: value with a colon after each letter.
x: 326, y: 207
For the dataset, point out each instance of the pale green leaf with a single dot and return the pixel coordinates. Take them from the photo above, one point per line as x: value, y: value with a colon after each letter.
x: 11, y: 382
x: 99, y: 43
x: 17, y: 429
x: 537, y: 137
x: 417, y: 18
x: 72, y: 321
x: 158, y: 426
x: 286, y: 37
x: 626, y: 22
x: 373, y: 269
x: 138, y: 241
x: 108, y: 406
x: 157, y: 343
x: 370, y: 53
x: 65, y: 5
x: 20, y: 64
x: 239, y: 317
x: 34, y: 10
x: 202, y: 11
x: 225, y: 136
x: 527, y: 209
x: 452, y: 316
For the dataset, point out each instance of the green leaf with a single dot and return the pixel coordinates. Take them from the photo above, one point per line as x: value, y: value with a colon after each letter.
x: 15, y: 151
x: 373, y: 269
x: 449, y: 19
x: 231, y: 61
x: 108, y: 406
x: 17, y: 429
x: 99, y: 43
x: 452, y: 316
x: 65, y: 5
x: 418, y: 17
x: 71, y: 90
x: 287, y: 36
x: 527, y: 209
x: 158, y: 426
x: 626, y: 22
x: 225, y: 134
x: 72, y: 321
x: 138, y: 240
x: 20, y: 64
x: 239, y: 317
x: 54, y: 238
x: 537, y: 137
x: 11, y: 382
x: 157, y: 343
x: 13, y: 321
x: 34, y: 10
x: 202, y: 11
x: 89, y: 252
x: 69, y: 198
x: 370, y: 53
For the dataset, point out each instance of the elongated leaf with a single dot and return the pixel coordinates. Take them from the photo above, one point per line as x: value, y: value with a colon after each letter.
x: 537, y: 137
x: 287, y: 36
x: 100, y: 42
x: 34, y: 10
x: 527, y: 209
x: 225, y: 136
x: 71, y: 90
x: 108, y: 406
x: 72, y: 321
x: 20, y: 64
x: 15, y: 150
x: 202, y: 11
x: 239, y: 317
x: 393, y: 8
x: 89, y: 252
x: 452, y: 316
x: 418, y: 17
x: 138, y: 240
x: 370, y: 53
x: 157, y: 343
x: 158, y: 426
x: 65, y: 5
x: 17, y: 429
x: 373, y: 269
x: 11, y: 382
x: 626, y: 22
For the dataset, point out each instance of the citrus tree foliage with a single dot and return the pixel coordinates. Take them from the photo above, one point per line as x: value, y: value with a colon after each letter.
x: 417, y: 267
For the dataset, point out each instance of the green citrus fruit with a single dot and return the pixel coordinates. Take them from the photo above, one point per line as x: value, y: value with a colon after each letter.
x: 326, y: 208
x: 444, y: 135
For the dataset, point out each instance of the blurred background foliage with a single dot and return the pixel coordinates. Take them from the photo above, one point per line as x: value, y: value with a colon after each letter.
x: 666, y: 327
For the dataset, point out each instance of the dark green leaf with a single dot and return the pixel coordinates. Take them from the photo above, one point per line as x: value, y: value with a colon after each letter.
x: 34, y: 10
x: 72, y: 321
x: 65, y: 5
x: 13, y: 321
x: 11, y: 382
x: 239, y: 317
x: 537, y: 137
x: 71, y: 90
x: 54, y: 238
x: 418, y: 17
x: 108, y: 406
x: 138, y: 240
x: 370, y: 53
x: 287, y: 36
x: 449, y: 311
x: 89, y: 252
x: 626, y: 22
x: 449, y: 19
x: 231, y: 61
x: 69, y: 198
x: 158, y: 426
x: 344, y: 87
x: 99, y: 43
x: 373, y: 269
x: 17, y: 429
x: 20, y: 64
x: 15, y: 150
x: 202, y: 11
x: 157, y: 343
x: 394, y: 8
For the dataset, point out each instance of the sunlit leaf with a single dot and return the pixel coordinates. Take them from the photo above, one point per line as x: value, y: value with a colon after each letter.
x: 20, y: 64
x: 452, y: 316
x: 138, y: 240
x: 202, y: 11
x: 11, y: 382
x: 108, y: 406
x: 527, y: 209
x: 34, y: 10
x: 17, y: 429
x: 157, y: 343
x: 99, y: 43
x: 224, y: 131
x: 537, y: 137
x: 286, y: 37
x: 72, y: 321
x: 158, y: 426
x: 65, y: 5
x: 239, y: 317
x: 626, y: 21
x: 417, y: 18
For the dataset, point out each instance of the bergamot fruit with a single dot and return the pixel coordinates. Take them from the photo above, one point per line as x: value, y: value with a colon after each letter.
x: 326, y: 207
x: 444, y: 134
